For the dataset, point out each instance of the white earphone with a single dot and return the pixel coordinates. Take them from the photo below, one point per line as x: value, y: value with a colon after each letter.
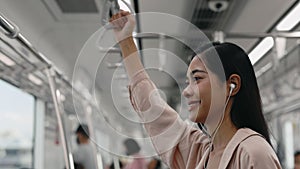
x: 232, y: 86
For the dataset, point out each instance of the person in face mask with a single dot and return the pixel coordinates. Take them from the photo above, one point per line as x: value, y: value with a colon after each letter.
x: 133, y: 150
x: 83, y: 155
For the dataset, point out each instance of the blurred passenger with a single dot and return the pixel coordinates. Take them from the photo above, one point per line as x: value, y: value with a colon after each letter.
x: 155, y: 163
x: 297, y: 160
x: 112, y: 165
x: 133, y: 150
x: 78, y: 166
x: 84, y: 155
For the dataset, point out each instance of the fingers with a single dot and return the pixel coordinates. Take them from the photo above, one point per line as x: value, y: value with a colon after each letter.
x: 124, y: 13
x: 120, y: 19
x: 119, y: 15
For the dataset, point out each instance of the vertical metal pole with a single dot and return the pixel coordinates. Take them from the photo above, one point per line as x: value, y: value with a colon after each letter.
x: 39, y: 144
x: 275, y: 55
x: 92, y: 133
x: 161, y: 53
x: 67, y: 154
x: 116, y: 162
x: 289, y: 144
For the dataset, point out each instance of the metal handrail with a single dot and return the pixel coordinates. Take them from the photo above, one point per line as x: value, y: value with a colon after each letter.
x: 67, y: 154
x: 12, y: 31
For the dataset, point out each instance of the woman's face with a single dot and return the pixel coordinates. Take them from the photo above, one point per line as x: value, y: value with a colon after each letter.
x: 198, y: 91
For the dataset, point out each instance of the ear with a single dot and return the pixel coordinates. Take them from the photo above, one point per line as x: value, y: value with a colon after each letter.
x: 236, y: 80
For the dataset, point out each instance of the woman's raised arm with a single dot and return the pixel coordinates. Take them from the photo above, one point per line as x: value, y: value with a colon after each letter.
x: 124, y: 24
x: 173, y: 139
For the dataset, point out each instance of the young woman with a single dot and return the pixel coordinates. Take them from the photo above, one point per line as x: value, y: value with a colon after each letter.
x: 229, y: 105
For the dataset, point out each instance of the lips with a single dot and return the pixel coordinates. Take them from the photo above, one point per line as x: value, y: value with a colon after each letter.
x: 193, y: 104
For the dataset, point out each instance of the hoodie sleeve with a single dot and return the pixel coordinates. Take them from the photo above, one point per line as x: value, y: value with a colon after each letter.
x: 180, y: 145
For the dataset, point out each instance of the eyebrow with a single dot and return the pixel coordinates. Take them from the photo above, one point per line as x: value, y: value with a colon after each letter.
x: 198, y: 70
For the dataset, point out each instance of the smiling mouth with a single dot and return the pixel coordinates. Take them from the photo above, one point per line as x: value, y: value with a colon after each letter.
x: 193, y: 104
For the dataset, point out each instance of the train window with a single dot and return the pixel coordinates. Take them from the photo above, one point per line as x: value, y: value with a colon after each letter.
x: 16, y: 127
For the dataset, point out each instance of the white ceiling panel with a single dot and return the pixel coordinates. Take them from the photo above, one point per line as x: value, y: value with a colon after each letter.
x: 257, y: 16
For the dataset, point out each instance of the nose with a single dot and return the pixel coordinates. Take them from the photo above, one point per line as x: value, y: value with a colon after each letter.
x: 187, y: 92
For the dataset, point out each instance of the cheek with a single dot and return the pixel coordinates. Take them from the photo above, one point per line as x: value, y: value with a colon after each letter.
x: 201, y: 113
x: 204, y: 109
x: 204, y: 92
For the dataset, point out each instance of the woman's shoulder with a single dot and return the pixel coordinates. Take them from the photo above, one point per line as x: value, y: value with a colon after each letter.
x: 247, y: 143
x: 254, y: 149
x: 254, y: 142
x: 255, y: 146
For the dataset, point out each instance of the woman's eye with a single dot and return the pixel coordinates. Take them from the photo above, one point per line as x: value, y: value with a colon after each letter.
x: 197, y: 78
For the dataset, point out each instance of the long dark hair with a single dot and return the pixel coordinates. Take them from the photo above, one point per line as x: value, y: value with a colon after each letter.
x: 247, y: 108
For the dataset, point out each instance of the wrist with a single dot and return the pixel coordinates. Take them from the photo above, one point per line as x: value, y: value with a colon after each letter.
x: 126, y: 41
x: 127, y: 46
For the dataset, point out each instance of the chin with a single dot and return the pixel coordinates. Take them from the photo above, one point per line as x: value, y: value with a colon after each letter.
x: 194, y: 117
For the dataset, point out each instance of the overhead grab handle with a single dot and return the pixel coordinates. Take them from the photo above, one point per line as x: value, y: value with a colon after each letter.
x: 9, y: 28
x: 112, y: 7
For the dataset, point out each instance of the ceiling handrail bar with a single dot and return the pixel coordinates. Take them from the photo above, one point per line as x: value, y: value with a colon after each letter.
x: 20, y: 38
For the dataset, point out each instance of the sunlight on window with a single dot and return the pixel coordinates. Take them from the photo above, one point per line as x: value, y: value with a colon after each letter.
x: 16, y: 127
